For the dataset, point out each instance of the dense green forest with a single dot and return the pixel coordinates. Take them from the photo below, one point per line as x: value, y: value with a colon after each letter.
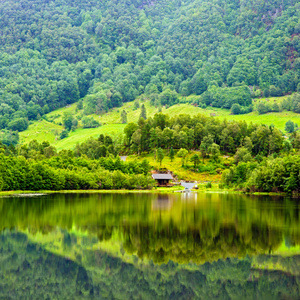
x: 40, y: 167
x: 52, y: 53
x: 201, y: 133
x: 281, y: 174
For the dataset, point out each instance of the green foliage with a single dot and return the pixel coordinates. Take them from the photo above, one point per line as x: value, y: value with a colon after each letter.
x: 214, y: 151
x: 143, y: 112
x: 209, y: 135
x: 235, y: 109
x: 123, y: 117
x: 67, y: 121
x: 39, y: 167
x: 64, y: 134
x: 272, y: 175
x: 262, y: 108
x: 208, y: 185
x: 129, y: 131
x: 183, y: 154
x: 160, y: 155
x: 196, y: 160
x: 19, y: 124
x: 9, y: 137
x: 89, y: 122
x: 242, y: 155
x: 168, y: 97
x: 52, y: 54
x: 136, y: 104
x: 171, y: 154
x: 226, y: 97
x: 290, y: 126
x: 79, y: 105
x: 206, y: 145
x: 295, y: 104
x: 295, y: 139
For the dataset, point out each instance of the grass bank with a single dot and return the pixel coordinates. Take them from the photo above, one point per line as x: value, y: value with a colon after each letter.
x: 29, y: 193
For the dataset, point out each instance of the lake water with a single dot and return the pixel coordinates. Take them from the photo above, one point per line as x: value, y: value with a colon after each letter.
x: 149, y: 246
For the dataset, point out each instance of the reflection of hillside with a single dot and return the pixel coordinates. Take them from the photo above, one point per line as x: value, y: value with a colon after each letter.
x: 198, y: 245
x: 28, y: 271
x: 210, y: 227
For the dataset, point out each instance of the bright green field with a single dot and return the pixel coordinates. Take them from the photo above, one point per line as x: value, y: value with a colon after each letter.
x: 278, y: 119
x: 111, y: 122
x: 80, y: 135
x: 41, y: 131
x: 45, y: 131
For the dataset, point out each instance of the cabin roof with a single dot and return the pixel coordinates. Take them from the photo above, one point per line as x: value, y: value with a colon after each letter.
x: 162, y: 176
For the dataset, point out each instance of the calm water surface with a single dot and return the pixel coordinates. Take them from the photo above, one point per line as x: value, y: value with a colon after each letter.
x: 149, y: 246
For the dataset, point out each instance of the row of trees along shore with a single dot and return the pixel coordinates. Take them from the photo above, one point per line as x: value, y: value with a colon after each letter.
x: 39, y: 167
x: 256, y: 149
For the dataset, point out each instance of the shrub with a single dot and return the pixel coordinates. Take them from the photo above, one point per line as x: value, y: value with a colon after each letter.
x: 89, y: 122
x: 208, y: 185
x: 235, y: 109
x: 64, y: 134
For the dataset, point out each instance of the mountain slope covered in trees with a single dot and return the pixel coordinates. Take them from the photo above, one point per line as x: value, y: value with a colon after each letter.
x: 52, y: 53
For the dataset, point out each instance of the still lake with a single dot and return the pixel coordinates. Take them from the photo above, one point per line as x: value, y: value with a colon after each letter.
x: 149, y: 246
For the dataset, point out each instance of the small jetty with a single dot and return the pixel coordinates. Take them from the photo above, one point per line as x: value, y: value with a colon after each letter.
x: 188, y: 186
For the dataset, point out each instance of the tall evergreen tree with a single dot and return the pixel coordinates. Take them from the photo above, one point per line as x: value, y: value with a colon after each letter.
x: 143, y: 112
x: 124, y: 116
x: 160, y: 155
x: 171, y: 154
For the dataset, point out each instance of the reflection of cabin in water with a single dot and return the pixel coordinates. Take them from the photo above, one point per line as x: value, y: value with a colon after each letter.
x: 162, y: 179
x: 163, y: 202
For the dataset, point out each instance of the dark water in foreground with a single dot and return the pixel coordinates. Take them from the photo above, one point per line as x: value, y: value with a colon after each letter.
x: 149, y: 246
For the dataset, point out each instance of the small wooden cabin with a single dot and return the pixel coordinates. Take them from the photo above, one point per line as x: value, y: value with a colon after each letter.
x: 162, y: 179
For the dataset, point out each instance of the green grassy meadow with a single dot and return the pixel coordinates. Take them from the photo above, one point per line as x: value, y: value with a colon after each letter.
x: 80, y: 135
x: 46, y: 131
x: 111, y: 122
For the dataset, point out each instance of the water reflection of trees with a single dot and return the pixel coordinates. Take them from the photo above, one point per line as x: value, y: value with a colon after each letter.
x: 213, y: 227
x: 29, y: 271
x: 197, y: 245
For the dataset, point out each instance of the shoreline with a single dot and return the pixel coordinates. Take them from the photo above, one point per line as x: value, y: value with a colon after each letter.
x: 164, y: 190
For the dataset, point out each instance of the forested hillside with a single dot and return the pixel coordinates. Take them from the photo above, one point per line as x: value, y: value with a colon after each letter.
x: 52, y: 53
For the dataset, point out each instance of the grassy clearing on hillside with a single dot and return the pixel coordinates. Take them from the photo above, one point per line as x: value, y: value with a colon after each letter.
x: 114, y: 116
x: 80, y: 135
x: 43, y: 130
x: 277, y: 119
x: 56, y: 115
x: 46, y: 131
x: 271, y: 100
